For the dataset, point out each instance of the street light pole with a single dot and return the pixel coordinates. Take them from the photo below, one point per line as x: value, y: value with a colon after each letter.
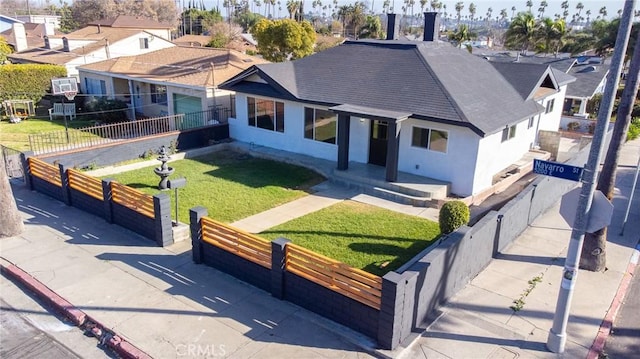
x: 557, y: 335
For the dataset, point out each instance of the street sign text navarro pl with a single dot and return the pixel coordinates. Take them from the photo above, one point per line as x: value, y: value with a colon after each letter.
x: 559, y: 170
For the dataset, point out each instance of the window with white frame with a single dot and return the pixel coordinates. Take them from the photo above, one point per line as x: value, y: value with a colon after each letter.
x: 144, y: 43
x: 550, y: 104
x: 508, y: 133
x: 158, y: 94
x: 531, y: 122
x: 266, y: 114
x: 95, y: 87
x: 320, y: 125
x: 434, y: 140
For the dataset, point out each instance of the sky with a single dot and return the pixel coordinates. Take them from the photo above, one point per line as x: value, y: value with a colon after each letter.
x: 481, y: 6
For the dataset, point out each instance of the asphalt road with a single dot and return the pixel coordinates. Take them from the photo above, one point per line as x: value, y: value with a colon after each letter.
x: 624, y: 340
x: 30, y: 330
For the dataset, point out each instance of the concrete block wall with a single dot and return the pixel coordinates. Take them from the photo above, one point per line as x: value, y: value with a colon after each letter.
x: 236, y: 266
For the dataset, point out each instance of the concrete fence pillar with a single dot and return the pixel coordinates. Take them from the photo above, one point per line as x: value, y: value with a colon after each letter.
x: 107, y: 200
x: 28, y: 179
x: 64, y: 180
x: 162, y: 219
x: 195, y: 225
x: 395, y: 322
x: 278, y: 251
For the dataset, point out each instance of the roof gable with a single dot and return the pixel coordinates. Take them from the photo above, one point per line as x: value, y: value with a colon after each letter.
x: 136, y: 22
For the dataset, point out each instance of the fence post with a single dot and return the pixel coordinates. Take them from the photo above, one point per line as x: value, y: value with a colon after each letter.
x: 278, y: 256
x: 396, y: 308
x: 162, y: 220
x: 28, y: 179
x: 195, y: 225
x: 107, y: 199
x: 64, y: 180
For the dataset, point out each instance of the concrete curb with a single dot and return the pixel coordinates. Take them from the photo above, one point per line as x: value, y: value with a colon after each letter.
x: 605, y: 328
x: 104, y: 335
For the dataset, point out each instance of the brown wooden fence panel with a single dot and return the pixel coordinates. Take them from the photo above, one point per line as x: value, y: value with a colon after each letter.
x: 45, y: 171
x: 243, y: 244
x: 133, y: 199
x: 354, y: 283
x: 88, y: 185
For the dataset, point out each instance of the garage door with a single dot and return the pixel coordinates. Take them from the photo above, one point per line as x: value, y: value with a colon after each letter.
x: 191, y: 107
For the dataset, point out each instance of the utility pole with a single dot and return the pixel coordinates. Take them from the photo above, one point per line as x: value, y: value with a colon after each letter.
x: 558, y: 334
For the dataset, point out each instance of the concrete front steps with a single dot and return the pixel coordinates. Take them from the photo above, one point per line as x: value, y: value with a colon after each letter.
x: 409, y: 189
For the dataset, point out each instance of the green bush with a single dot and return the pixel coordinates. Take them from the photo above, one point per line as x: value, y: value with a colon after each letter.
x: 107, y: 110
x: 27, y: 81
x: 453, y: 214
x: 573, y: 126
x: 634, y: 129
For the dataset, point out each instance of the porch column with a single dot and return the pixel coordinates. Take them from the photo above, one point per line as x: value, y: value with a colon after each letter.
x: 343, y: 141
x: 392, y: 151
x: 133, y: 100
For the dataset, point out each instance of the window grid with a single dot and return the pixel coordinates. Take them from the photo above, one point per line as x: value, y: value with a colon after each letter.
x: 431, y: 139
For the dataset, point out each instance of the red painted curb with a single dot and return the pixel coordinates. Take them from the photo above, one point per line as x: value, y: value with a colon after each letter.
x: 60, y: 304
x: 122, y: 347
x: 605, y: 328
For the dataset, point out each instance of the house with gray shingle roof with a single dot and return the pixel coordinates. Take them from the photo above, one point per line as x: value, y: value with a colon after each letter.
x: 424, y: 108
x: 169, y: 81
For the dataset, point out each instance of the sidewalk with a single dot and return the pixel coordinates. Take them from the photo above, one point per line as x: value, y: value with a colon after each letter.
x: 158, y: 299
x: 478, y: 321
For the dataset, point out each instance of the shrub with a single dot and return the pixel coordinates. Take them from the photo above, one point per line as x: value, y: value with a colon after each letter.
x: 107, y: 110
x: 634, y: 129
x: 573, y: 126
x: 453, y: 214
x: 27, y: 81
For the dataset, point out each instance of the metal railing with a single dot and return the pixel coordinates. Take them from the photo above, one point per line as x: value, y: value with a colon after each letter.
x: 68, y: 139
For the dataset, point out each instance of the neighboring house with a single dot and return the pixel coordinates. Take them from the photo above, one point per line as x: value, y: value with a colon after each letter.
x: 135, y: 22
x: 590, y: 73
x: 193, y: 40
x: 169, y: 81
x: 239, y: 44
x: 90, y: 44
x: 34, y: 35
x: 7, y: 22
x: 424, y: 108
x: 53, y: 20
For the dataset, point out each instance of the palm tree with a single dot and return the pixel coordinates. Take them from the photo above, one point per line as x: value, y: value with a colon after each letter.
x: 579, y: 7
x: 472, y: 11
x: 385, y: 6
x: 550, y: 35
x: 459, y: 7
x: 489, y: 12
x: 542, y: 8
x: 293, y: 6
x: 603, y: 12
x: 588, y: 15
x: 513, y: 12
x: 372, y: 28
x: 529, y: 4
x: 521, y: 32
x: 461, y: 35
x: 503, y: 15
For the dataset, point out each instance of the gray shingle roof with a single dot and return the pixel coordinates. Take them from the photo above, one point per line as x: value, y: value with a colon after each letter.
x: 523, y: 77
x: 588, y: 78
x: 434, y: 81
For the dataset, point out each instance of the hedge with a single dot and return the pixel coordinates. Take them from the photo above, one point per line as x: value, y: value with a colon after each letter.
x: 27, y: 81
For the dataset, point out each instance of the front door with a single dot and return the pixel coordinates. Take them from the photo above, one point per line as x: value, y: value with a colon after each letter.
x: 378, y: 143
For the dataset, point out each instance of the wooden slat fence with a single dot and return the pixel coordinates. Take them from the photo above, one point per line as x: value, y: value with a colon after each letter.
x: 243, y: 244
x: 337, y: 276
x: 132, y: 199
x: 88, y: 185
x: 45, y: 171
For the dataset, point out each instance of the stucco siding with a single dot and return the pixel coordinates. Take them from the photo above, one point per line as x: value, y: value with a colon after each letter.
x: 551, y: 121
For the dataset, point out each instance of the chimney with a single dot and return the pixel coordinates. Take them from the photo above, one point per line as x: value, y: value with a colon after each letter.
x: 49, y: 29
x: 19, y: 37
x: 431, y: 26
x: 393, y: 27
x: 65, y: 44
x: 47, y: 44
x: 99, y: 28
x: 106, y: 48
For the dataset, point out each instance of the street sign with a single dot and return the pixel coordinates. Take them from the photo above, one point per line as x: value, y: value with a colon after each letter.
x: 599, y: 215
x: 555, y: 169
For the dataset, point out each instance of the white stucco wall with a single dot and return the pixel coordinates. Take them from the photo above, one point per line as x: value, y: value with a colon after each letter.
x: 551, y: 121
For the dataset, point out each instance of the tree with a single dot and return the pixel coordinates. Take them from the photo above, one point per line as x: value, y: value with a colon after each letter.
x: 603, y: 12
x: 550, y: 35
x: 521, y: 32
x: 513, y: 12
x: 542, y: 8
x: 222, y: 34
x: 372, y: 28
x: 10, y: 221
x: 503, y: 15
x: 5, y: 50
x: 86, y: 11
x: 529, y: 5
x: 293, y: 7
x: 594, y: 253
x: 461, y: 35
x: 472, y: 11
x: 459, y: 7
x: 286, y: 39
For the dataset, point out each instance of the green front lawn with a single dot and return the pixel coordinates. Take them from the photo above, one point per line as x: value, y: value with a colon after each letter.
x: 363, y: 236
x: 16, y: 135
x: 231, y: 186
